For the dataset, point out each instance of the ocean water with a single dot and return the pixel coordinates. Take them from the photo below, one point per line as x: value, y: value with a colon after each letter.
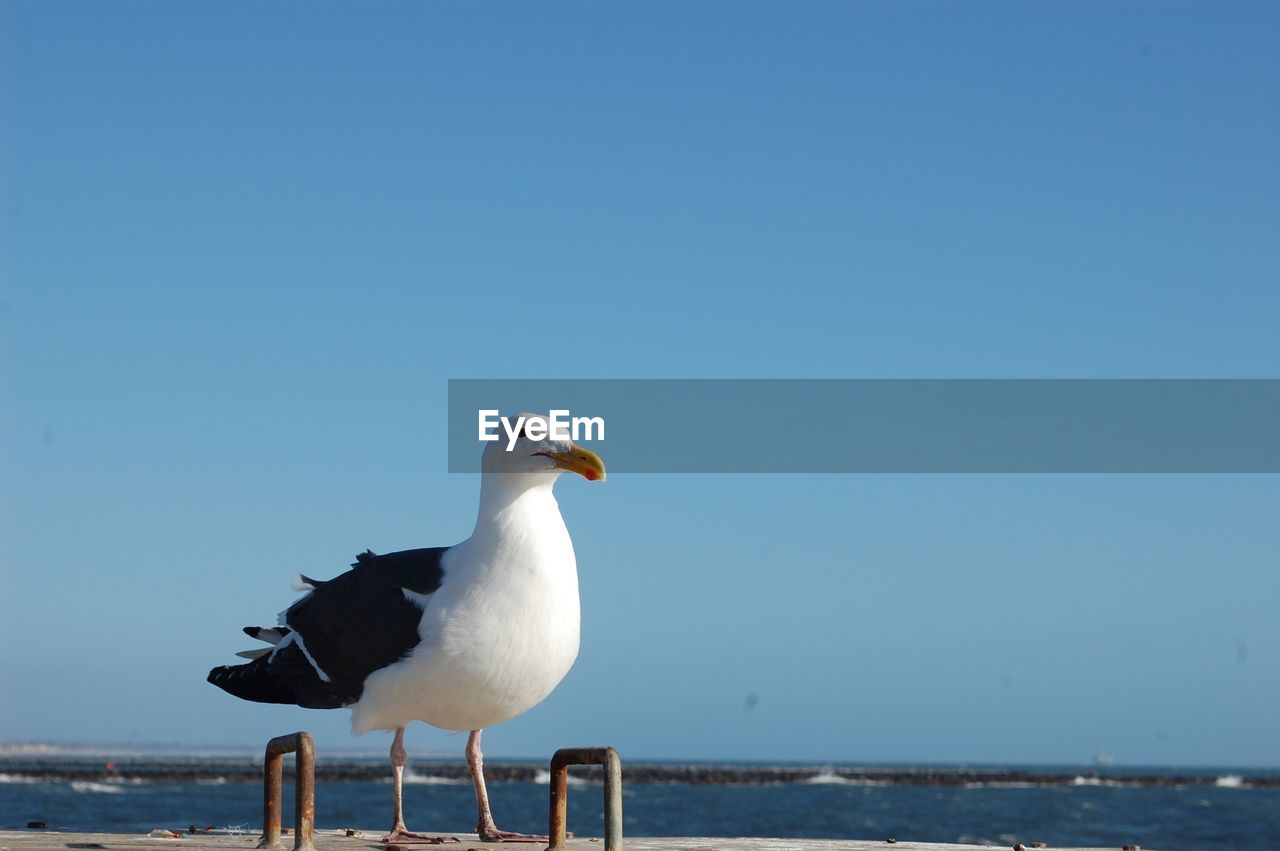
x: 1223, y: 810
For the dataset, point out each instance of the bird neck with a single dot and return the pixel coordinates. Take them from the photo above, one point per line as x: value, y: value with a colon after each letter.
x: 519, y: 533
x: 509, y: 503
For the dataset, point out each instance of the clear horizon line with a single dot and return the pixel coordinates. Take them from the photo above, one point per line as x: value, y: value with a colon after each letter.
x: 32, y: 747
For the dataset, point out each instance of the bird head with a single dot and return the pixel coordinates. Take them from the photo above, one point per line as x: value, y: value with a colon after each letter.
x: 535, y: 452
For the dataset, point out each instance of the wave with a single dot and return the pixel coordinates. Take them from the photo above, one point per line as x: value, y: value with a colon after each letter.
x: 411, y: 776
x: 19, y: 778
x: 1091, y: 781
x: 96, y: 788
x: 543, y: 778
x: 827, y: 777
x: 112, y: 787
x: 1229, y: 781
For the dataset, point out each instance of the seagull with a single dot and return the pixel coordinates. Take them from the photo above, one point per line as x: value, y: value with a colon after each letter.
x: 461, y: 637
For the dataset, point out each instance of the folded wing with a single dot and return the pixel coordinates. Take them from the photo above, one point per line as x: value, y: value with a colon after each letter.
x: 344, y: 629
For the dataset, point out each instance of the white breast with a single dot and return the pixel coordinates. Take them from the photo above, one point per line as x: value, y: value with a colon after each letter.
x: 497, y: 636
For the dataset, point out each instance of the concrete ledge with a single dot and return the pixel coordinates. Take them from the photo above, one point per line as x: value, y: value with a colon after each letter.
x: 329, y: 840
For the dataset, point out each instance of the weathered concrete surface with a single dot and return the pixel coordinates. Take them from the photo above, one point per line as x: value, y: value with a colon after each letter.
x: 327, y: 840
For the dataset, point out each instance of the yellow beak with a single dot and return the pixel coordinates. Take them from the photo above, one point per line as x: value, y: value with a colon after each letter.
x: 584, y: 462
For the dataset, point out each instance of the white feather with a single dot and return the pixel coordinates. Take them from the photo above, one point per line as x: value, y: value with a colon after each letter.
x: 270, y: 636
x: 500, y: 632
x: 296, y: 639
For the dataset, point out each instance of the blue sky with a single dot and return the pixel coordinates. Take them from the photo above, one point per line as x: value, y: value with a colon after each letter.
x: 245, y: 245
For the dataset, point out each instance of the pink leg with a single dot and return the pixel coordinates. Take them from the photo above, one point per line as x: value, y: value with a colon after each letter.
x: 399, y: 833
x: 485, y: 827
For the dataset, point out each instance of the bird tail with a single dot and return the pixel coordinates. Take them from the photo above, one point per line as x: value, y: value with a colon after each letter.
x: 280, y: 674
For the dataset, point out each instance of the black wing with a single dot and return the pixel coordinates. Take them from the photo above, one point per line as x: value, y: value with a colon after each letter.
x: 349, y: 626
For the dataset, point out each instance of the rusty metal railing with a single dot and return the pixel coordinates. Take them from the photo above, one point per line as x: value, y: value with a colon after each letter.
x: 304, y: 791
x: 560, y: 762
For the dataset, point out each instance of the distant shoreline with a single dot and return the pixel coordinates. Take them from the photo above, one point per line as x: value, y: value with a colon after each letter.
x: 65, y: 768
